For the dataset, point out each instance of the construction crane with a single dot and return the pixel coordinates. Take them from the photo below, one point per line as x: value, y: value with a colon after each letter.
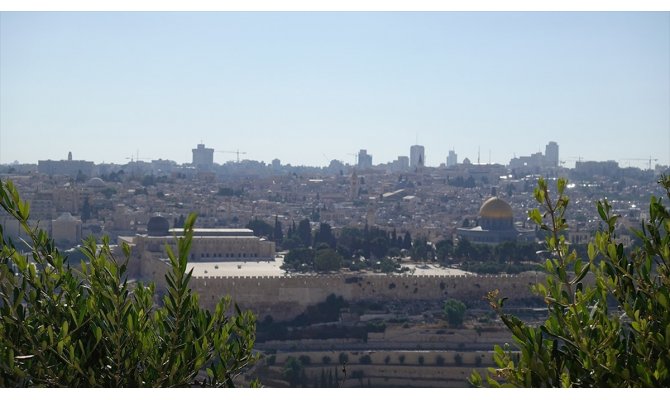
x: 640, y: 159
x: 137, y: 157
x: 134, y: 159
x: 238, y: 152
x: 578, y: 158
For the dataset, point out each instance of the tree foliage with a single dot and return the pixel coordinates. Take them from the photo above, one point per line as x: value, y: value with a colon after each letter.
x: 294, y: 372
x: 278, y: 234
x: 261, y: 228
x: 327, y: 260
x: 608, y: 321
x: 304, y: 232
x: 90, y: 327
x: 455, y: 311
x: 324, y: 235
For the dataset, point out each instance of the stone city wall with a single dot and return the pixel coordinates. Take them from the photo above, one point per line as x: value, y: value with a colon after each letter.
x: 286, y: 297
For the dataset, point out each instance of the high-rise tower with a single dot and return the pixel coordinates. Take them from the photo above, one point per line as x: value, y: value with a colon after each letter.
x: 417, y: 156
x: 203, y: 158
x: 452, y: 158
x: 551, y: 154
x: 364, y: 159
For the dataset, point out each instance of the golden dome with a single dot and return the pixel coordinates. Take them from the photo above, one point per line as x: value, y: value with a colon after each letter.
x: 496, y: 208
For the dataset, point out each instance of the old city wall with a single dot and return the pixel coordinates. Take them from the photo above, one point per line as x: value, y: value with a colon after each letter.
x: 286, y: 297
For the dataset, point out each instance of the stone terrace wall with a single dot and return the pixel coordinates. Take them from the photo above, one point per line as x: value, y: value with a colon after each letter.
x: 286, y: 297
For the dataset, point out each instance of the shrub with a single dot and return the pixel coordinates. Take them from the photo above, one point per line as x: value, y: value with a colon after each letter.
x: 455, y: 311
x: 90, y: 327
x: 294, y: 372
x: 610, y: 330
x: 365, y: 359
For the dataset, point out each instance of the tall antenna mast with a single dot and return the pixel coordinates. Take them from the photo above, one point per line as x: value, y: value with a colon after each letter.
x: 478, y: 148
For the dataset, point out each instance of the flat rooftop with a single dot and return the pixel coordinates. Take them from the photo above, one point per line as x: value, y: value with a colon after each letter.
x: 214, y: 232
x: 237, y: 268
x: 272, y: 268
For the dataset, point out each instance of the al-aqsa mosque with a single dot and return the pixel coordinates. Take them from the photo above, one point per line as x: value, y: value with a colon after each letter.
x: 212, y: 250
x: 496, y: 225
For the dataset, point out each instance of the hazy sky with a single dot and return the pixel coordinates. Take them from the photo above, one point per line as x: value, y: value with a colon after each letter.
x: 308, y: 87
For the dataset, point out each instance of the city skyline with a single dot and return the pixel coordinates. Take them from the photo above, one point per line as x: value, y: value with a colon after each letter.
x: 310, y: 87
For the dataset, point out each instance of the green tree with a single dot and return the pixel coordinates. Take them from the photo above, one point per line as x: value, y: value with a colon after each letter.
x: 421, y: 251
x: 297, y: 257
x: 149, y: 180
x: 225, y: 191
x: 304, y: 232
x: 455, y: 311
x: 294, y: 372
x: 379, y: 246
x: 324, y: 235
x: 465, y: 250
x: 290, y: 243
x: 108, y: 192
x: 388, y: 265
x: 89, y: 327
x: 327, y: 260
x: 261, y: 228
x: 86, y: 210
x: 444, y: 249
x: 278, y: 232
x: 407, y: 241
x: 81, y: 177
x: 608, y: 321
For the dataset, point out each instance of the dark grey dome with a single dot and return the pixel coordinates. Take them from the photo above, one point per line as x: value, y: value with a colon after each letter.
x: 158, y: 226
x: 96, y: 182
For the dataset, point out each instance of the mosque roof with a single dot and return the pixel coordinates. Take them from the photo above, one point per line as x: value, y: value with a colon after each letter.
x: 158, y: 226
x: 496, y: 208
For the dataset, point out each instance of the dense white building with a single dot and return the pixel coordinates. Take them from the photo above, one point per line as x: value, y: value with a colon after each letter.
x: 69, y: 167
